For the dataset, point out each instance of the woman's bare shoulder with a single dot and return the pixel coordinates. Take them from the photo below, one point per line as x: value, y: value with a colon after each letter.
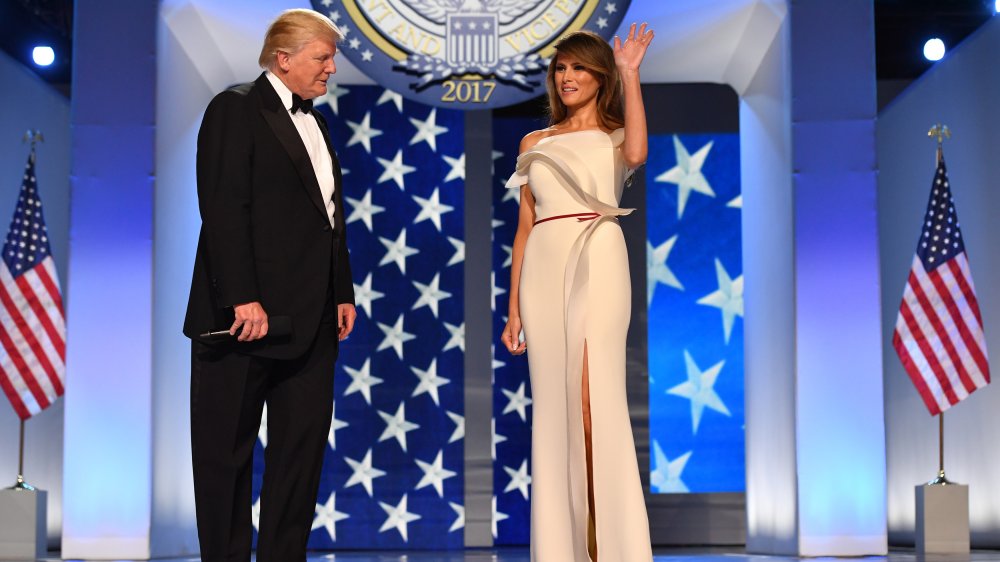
x: 532, y: 138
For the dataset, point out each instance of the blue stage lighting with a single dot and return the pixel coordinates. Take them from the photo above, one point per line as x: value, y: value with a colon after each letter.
x: 934, y: 49
x: 996, y: 7
x: 43, y: 55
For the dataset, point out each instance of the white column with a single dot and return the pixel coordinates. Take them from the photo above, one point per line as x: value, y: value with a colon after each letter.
x: 815, y: 427
x: 769, y: 273
x: 107, y: 458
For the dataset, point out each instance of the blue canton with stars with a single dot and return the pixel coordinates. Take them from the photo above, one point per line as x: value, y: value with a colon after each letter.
x: 393, y: 471
x: 695, y: 297
x: 941, y: 238
x: 27, y: 242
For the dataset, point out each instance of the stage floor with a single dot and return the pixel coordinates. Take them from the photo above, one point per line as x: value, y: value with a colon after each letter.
x: 660, y: 555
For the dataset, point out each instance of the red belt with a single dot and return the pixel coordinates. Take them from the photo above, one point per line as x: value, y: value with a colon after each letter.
x: 580, y: 217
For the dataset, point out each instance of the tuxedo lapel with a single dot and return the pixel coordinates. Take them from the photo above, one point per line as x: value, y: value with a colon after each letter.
x: 338, y: 214
x: 281, y: 124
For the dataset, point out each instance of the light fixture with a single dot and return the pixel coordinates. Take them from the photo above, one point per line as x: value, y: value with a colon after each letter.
x: 934, y: 49
x: 996, y: 7
x: 43, y: 55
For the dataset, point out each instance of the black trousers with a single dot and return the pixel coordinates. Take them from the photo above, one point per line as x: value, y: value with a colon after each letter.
x: 228, y: 393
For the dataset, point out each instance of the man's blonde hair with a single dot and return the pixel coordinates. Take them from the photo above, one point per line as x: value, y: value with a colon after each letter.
x: 292, y: 30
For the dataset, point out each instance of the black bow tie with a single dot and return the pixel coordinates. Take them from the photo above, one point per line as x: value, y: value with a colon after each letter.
x: 299, y: 104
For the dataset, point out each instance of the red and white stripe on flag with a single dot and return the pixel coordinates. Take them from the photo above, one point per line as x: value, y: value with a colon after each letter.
x: 32, y: 324
x: 939, y: 330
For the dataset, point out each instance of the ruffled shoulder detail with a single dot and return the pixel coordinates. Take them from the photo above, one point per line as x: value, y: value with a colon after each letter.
x: 520, y: 175
x: 518, y: 178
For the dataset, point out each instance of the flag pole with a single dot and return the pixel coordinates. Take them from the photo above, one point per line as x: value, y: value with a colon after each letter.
x: 941, y: 446
x: 941, y: 480
x: 21, y: 484
x: 940, y: 132
x: 32, y: 136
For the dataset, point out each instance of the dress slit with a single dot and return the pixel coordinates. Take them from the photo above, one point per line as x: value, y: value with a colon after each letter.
x: 588, y: 419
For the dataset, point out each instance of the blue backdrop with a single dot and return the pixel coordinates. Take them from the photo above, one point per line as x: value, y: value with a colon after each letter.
x: 511, y: 386
x: 695, y: 298
x: 393, y: 473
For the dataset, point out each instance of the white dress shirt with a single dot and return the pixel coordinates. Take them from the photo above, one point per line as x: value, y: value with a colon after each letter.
x: 312, y: 137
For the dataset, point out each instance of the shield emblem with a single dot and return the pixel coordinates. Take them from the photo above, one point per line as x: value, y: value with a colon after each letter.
x: 472, y: 39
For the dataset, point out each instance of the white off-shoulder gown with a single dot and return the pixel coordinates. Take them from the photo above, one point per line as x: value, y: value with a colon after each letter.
x: 575, y: 288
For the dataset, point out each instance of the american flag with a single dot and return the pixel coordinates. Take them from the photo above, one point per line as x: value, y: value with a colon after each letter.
x: 939, y: 331
x: 32, y: 326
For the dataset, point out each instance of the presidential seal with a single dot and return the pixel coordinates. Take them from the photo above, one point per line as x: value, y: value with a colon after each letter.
x: 463, y: 54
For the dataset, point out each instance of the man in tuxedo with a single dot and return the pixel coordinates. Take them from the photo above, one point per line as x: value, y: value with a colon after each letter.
x: 273, y: 281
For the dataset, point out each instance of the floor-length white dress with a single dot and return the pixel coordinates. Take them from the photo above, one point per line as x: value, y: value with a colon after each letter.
x: 575, y: 291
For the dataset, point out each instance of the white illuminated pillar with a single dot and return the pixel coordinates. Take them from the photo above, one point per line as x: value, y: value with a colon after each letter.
x: 816, y: 479
x: 107, y: 469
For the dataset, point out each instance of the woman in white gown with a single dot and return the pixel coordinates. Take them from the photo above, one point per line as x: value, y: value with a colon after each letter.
x: 570, y: 290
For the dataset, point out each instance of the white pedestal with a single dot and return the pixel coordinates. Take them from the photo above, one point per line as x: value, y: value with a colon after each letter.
x: 942, y: 519
x: 22, y: 524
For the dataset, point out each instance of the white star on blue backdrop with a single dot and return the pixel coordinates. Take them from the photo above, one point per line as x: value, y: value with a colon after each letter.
x: 395, y: 337
x: 330, y: 98
x: 327, y: 516
x: 365, y: 295
x: 335, y: 425
x: 431, y: 209
x: 687, y: 174
x: 361, y: 381
x: 398, y: 518
x: 395, y: 169
x: 517, y: 402
x: 519, y: 479
x: 363, y: 210
x: 434, y: 474
x: 429, y: 381
x: 363, y: 133
x: 396, y: 426
x: 699, y: 389
x: 364, y: 473
x: 665, y: 478
x: 397, y: 251
x: 657, y: 271
x: 427, y: 130
x: 728, y: 298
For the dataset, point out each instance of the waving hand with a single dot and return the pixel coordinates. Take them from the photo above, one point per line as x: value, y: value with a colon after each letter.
x: 628, y: 56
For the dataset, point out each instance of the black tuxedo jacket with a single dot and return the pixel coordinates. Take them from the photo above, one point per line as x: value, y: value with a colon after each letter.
x: 265, y: 233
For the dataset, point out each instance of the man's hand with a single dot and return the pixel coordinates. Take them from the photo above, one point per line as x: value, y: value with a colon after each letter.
x: 252, y: 318
x: 345, y: 320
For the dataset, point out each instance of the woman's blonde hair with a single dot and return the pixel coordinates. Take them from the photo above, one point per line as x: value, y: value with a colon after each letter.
x: 595, y: 55
x: 292, y: 30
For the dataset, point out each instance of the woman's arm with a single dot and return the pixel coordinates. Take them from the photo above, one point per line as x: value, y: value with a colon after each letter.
x: 628, y: 57
x: 525, y: 220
